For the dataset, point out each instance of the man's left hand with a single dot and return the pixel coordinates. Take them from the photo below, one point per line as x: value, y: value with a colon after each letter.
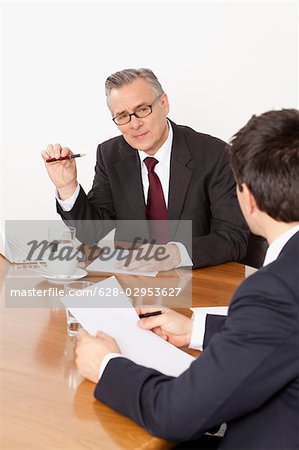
x: 91, y: 351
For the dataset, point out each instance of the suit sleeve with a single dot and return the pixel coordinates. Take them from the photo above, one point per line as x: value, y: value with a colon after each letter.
x: 257, y: 343
x: 214, y: 324
x: 228, y: 236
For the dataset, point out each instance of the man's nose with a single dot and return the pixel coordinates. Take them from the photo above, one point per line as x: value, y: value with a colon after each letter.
x: 135, y: 122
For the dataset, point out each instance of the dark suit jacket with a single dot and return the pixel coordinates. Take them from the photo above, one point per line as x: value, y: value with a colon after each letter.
x: 201, y: 189
x: 247, y: 376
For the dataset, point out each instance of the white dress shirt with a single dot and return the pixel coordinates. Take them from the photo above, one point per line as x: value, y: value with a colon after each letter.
x: 67, y: 204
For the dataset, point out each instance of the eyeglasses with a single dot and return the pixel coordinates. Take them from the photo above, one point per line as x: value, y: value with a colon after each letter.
x: 140, y: 113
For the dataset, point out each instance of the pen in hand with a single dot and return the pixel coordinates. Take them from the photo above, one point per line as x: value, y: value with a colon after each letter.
x: 150, y: 314
x: 64, y: 158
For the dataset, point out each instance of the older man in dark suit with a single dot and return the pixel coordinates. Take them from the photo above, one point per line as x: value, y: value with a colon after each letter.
x: 155, y: 171
x: 248, y: 373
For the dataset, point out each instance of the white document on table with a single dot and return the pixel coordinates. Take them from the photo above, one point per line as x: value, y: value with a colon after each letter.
x: 218, y: 310
x: 120, y: 321
x: 109, y: 266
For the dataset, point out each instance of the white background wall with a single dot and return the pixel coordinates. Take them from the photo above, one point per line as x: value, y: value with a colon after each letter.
x: 219, y: 62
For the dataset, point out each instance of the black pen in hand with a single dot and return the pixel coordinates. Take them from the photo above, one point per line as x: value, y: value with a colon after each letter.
x: 64, y: 158
x: 150, y: 314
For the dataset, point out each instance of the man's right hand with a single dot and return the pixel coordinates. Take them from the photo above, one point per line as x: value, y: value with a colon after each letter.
x: 171, y: 326
x: 62, y: 173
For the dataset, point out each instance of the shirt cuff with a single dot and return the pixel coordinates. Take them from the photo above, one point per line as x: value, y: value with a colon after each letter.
x: 198, y: 331
x: 67, y: 204
x: 186, y: 261
x: 105, y: 361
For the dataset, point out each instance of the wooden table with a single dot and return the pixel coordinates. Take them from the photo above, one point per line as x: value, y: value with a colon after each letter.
x: 44, y: 403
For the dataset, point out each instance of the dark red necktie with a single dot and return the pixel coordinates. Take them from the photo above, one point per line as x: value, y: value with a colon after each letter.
x: 156, y: 206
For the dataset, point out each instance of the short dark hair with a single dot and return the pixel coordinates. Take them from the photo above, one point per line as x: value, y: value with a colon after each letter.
x: 264, y: 154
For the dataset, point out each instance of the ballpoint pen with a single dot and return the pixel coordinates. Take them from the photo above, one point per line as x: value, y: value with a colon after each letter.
x: 63, y: 158
x: 150, y: 314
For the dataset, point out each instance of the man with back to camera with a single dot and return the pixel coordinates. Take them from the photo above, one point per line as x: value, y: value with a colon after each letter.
x: 189, y: 179
x: 248, y: 373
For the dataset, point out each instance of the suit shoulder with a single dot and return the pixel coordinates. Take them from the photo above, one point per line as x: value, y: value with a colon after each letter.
x: 111, y: 143
x: 111, y: 151
x: 276, y: 282
x: 206, y: 140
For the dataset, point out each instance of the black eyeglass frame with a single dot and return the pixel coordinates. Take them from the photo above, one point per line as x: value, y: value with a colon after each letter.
x: 135, y: 113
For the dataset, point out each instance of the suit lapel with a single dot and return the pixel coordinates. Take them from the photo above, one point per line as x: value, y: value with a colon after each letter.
x: 129, y: 174
x: 180, y: 175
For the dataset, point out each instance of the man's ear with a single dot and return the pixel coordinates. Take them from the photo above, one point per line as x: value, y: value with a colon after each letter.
x: 249, y: 200
x: 165, y: 103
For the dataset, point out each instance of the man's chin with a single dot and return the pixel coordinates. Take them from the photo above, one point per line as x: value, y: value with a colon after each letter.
x: 142, y: 147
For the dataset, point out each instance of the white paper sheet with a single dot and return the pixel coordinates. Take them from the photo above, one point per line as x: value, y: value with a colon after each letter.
x: 109, y: 266
x: 120, y: 321
x: 218, y: 310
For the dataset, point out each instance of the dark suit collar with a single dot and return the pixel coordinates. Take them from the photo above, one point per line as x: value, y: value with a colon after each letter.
x: 293, y: 242
x: 180, y: 174
x: 129, y: 174
x: 180, y: 150
x: 289, y: 248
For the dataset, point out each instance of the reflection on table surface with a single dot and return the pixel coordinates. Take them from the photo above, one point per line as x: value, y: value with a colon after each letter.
x: 44, y: 402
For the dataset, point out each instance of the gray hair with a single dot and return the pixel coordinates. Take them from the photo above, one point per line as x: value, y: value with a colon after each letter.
x: 126, y: 76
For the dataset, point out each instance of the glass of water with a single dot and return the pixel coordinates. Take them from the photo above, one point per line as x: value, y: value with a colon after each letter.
x: 73, y: 289
x: 62, y: 260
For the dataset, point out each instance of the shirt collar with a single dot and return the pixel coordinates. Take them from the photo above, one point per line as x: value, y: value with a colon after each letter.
x: 164, y: 152
x: 277, y: 245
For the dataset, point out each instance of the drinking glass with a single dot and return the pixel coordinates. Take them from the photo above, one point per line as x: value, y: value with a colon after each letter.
x: 62, y: 260
x: 72, y: 289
